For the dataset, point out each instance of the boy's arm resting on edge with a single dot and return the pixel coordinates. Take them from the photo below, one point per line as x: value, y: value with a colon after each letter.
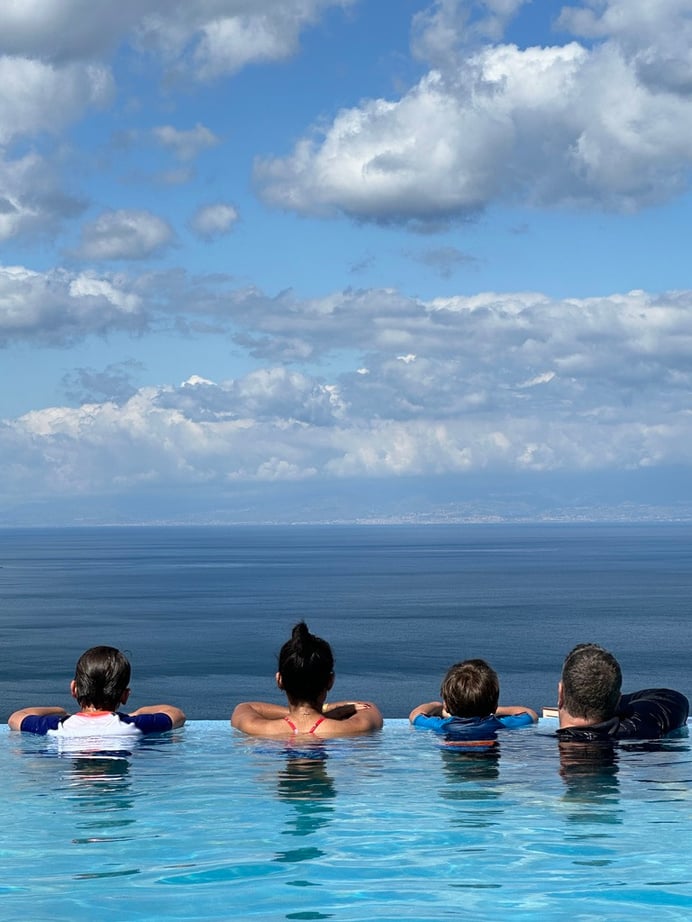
x: 511, y: 710
x: 15, y: 720
x: 431, y: 709
x: 251, y: 716
x: 177, y: 716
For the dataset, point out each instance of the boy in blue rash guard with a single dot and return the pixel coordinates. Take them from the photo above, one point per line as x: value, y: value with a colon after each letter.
x: 469, y: 710
x: 100, y: 685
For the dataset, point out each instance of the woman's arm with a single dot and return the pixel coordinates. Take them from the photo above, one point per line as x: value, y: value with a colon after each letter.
x: 258, y: 717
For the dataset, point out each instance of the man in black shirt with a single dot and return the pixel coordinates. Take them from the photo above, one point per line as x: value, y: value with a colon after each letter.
x: 592, y: 708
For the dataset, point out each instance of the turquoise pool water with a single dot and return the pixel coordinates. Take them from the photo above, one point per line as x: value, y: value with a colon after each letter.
x: 212, y: 825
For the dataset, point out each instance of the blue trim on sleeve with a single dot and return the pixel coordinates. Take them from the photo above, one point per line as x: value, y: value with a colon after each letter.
x: 148, y: 723
x: 32, y: 723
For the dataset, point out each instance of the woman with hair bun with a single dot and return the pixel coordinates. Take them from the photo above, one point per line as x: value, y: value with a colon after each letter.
x: 305, y: 675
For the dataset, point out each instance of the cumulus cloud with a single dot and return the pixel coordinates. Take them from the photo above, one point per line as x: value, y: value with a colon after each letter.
x: 37, y: 96
x: 186, y: 144
x: 125, y: 234
x: 223, y: 36
x: 66, y: 31
x: 32, y: 202
x: 279, y: 426
x: 492, y: 382
x: 212, y: 221
x: 205, y: 39
x: 654, y: 37
x: 595, y: 124
x: 439, y: 354
x: 60, y: 307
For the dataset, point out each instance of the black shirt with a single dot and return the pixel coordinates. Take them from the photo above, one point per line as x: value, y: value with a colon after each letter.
x: 644, y: 715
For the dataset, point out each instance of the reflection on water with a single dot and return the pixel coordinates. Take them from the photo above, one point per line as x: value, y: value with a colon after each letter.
x: 467, y: 770
x: 471, y: 777
x: 100, y: 790
x: 305, y: 783
x: 590, y: 772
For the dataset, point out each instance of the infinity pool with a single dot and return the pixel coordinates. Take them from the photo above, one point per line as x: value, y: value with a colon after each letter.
x: 212, y: 825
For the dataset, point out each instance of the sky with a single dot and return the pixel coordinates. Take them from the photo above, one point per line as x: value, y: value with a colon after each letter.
x: 345, y: 260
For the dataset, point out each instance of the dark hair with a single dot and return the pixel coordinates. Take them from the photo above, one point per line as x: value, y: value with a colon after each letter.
x: 591, y: 682
x: 470, y: 689
x: 101, y: 678
x: 306, y: 665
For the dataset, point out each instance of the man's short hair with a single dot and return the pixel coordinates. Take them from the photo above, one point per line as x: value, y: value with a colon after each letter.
x: 470, y: 689
x: 591, y: 682
x: 101, y: 678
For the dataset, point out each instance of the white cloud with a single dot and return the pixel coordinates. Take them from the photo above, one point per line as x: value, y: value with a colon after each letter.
x: 599, y: 126
x: 208, y: 37
x: 59, y: 307
x: 582, y: 385
x: 125, y: 234
x: 655, y: 37
x: 222, y: 36
x: 247, y: 431
x: 32, y: 202
x: 212, y: 221
x: 186, y: 144
x: 68, y: 30
x: 37, y: 96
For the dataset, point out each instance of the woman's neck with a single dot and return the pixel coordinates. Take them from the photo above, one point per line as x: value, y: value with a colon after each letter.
x: 305, y: 708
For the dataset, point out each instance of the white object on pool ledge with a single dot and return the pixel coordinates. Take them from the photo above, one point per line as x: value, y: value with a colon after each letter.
x: 550, y: 712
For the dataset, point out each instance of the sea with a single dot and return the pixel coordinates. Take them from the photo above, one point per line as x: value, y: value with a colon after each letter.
x: 202, y: 611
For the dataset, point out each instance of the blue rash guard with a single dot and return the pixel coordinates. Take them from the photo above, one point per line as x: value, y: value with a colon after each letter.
x: 644, y: 715
x: 472, y: 729
x: 81, y: 726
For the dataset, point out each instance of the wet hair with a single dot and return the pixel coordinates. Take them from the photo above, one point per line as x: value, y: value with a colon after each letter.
x: 470, y: 689
x: 101, y: 677
x: 306, y: 665
x: 591, y: 682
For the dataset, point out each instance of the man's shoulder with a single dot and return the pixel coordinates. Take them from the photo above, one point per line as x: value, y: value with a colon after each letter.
x: 646, y: 714
x: 651, y: 713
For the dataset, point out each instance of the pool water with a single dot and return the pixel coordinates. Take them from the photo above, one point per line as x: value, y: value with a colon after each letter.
x: 208, y: 824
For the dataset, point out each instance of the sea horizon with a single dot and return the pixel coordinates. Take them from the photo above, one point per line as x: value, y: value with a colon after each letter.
x: 202, y: 610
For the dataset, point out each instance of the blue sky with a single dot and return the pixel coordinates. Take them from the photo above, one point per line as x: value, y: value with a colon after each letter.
x: 344, y: 260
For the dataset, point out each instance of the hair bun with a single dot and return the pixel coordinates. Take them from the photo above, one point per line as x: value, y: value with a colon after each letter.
x: 300, y: 633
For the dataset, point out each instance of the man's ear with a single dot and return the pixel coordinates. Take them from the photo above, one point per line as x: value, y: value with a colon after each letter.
x: 73, y: 688
x: 560, y: 695
x: 126, y: 695
x: 279, y: 681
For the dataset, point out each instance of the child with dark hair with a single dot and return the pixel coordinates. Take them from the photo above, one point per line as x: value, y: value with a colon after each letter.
x: 469, y: 709
x: 306, y: 675
x: 100, y: 686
